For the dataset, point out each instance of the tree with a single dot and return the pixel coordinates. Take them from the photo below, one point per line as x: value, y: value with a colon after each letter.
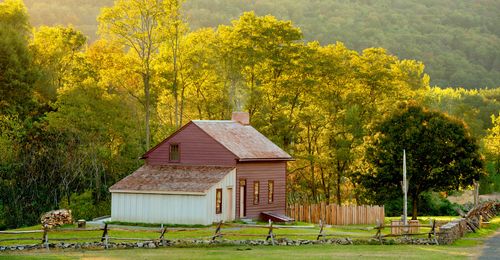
x: 442, y: 155
x: 16, y: 71
x: 142, y: 25
x: 199, y: 89
x: 54, y: 51
x: 176, y: 30
x: 492, y: 144
x: 260, y: 49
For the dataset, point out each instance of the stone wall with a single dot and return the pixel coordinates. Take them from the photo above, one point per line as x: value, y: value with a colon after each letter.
x: 200, y: 242
x: 452, y: 231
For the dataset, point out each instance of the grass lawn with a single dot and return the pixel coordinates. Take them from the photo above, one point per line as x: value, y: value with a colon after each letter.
x: 265, y: 252
x: 469, y: 246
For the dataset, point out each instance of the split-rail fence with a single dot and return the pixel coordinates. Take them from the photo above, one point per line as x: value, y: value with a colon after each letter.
x: 269, y: 233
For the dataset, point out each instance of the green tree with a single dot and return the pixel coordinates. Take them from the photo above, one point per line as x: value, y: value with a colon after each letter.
x: 475, y: 106
x: 16, y: 71
x: 55, y: 51
x: 142, y: 25
x: 441, y: 156
x: 492, y: 145
x: 200, y: 91
x: 258, y: 49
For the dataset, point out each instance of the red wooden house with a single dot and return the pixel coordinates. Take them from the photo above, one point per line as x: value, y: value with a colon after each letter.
x: 207, y: 171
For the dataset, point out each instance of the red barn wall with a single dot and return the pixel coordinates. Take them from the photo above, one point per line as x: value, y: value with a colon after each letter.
x: 196, y: 148
x: 262, y: 172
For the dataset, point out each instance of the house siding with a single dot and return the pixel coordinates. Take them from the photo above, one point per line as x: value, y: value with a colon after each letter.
x: 196, y: 148
x: 174, y: 209
x: 262, y: 172
x: 158, y: 208
x: 227, y: 182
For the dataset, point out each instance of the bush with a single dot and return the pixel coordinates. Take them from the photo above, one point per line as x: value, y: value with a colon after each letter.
x: 82, y: 206
x: 435, y: 204
x: 430, y: 204
x: 3, y: 226
x: 394, y: 207
x: 491, y: 182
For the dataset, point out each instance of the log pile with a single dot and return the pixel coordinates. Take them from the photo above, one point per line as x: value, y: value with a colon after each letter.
x: 482, y: 212
x: 469, y: 222
x: 56, y: 218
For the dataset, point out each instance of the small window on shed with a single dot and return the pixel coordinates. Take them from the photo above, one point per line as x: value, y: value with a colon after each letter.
x: 174, y: 153
x: 218, y: 201
x: 270, y: 191
x: 256, y: 191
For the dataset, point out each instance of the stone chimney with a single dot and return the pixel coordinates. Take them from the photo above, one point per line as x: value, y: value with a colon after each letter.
x: 241, y: 117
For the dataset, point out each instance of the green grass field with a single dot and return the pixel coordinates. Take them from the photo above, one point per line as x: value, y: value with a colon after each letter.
x: 469, y: 246
x: 265, y: 252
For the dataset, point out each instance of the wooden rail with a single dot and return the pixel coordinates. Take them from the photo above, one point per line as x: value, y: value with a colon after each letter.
x: 269, y: 234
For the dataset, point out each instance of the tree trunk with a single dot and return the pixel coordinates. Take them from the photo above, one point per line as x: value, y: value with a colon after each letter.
x: 182, y: 106
x: 311, y: 165
x: 145, y: 79
x: 356, y: 194
x: 326, y: 189
x: 175, y: 48
x: 414, y: 207
x: 313, y: 182
x: 338, y: 195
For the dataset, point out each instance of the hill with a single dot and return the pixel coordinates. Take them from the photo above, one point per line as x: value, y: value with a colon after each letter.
x: 459, y: 41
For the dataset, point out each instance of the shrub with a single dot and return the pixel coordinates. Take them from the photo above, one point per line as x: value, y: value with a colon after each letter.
x: 435, y: 204
x: 82, y: 206
x: 491, y: 182
x: 430, y: 204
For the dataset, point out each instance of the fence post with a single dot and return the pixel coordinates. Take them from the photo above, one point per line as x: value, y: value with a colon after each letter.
x: 433, y: 232
x: 162, y: 235
x: 270, y: 234
x: 105, y: 237
x: 217, y: 231
x: 45, y: 238
x: 321, y: 224
x: 379, y: 231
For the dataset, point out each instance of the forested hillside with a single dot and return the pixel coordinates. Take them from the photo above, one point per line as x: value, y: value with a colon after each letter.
x: 458, y: 41
x: 76, y: 115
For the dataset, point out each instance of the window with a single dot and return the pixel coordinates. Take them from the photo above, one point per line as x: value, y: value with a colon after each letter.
x: 270, y: 191
x: 174, y: 153
x: 256, y: 192
x: 218, y: 201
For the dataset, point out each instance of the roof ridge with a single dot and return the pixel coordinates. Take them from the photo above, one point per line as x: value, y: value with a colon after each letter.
x: 215, y: 121
x: 187, y: 166
x: 236, y: 137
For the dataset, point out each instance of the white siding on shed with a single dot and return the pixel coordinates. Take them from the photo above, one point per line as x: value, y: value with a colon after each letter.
x: 228, y: 182
x: 174, y: 208
x: 158, y: 208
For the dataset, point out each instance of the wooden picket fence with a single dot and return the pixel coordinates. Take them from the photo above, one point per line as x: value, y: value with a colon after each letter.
x: 333, y: 214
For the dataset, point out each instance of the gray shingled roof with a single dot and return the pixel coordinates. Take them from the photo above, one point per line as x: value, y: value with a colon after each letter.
x: 242, y: 140
x: 173, y: 179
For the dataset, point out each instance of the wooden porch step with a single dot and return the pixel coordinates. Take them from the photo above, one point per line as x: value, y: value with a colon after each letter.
x: 276, y: 217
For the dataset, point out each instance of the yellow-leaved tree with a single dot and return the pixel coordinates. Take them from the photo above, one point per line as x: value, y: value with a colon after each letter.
x: 143, y: 26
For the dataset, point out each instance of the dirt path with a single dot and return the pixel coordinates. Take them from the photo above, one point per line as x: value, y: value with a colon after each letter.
x: 491, y: 248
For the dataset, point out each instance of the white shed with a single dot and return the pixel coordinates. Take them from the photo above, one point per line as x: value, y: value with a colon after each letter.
x: 175, y: 194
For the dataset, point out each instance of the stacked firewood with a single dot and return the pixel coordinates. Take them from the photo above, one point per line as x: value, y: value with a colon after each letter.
x: 56, y: 218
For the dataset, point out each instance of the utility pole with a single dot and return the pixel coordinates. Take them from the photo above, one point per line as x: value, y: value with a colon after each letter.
x: 405, y: 192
